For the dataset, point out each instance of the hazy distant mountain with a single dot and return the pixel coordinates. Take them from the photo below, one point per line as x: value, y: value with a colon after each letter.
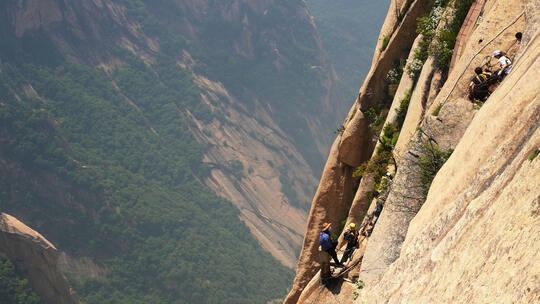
x: 349, y: 31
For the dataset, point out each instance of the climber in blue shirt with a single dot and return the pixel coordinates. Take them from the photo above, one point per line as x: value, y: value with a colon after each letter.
x: 327, y: 244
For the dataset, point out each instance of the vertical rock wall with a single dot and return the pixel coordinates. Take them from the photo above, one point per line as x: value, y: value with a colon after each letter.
x: 336, y: 189
x: 476, y: 238
x: 445, y: 131
x: 330, y: 204
x: 466, y: 230
x: 36, y: 259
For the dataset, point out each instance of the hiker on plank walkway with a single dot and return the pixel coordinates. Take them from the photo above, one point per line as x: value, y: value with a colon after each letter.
x: 327, y: 244
x: 351, y: 236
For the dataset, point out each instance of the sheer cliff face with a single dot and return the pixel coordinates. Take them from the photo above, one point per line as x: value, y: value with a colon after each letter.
x: 474, y: 239
x: 36, y: 259
x: 259, y: 66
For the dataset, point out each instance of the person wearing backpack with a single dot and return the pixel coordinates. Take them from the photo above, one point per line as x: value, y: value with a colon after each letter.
x: 479, y: 85
x: 351, y: 236
x: 327, y: 244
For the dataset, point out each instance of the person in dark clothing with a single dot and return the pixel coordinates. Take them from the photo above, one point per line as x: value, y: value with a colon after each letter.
x: 378, y: 208
x: 377, y: 212
x: 327, y: 244
x: 479, y: 85
x: 351, y: 236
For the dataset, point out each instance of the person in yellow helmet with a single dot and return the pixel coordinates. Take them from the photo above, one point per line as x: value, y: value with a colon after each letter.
x: 351, y: 236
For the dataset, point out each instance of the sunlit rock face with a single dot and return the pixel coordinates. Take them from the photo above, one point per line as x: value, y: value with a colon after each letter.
x: 474, y: 239
x: 36, y: 259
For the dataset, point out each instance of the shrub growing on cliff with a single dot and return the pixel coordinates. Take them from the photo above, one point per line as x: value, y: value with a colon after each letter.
x: 534, y: 154
x: 392, y: 78
x: 426, y: 27
x: 13, y: 289
x: 445, y: 39
x: 394, y: 75
x: 359, y: 285
x: 377, y: 166
x: 414, y: 67
x: 388, y: 138
x: 376, y: 116
x: 384, y: 44
x: 340, y: 130
x: 376, y: 119
x: 403, y: 106
x: 437, y: 110
x: 236, y: 168
x: 430, y: 164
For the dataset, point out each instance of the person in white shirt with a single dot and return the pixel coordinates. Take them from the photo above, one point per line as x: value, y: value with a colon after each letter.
x: 504, y: 62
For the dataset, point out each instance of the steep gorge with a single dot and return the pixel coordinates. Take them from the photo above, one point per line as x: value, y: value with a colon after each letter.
x: 129, y: 127
x: 242, y: 58
x: 474, y: 239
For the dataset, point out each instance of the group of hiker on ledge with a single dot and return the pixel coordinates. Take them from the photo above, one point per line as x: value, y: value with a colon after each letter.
x: 351, y: 234
x: 483, y: 83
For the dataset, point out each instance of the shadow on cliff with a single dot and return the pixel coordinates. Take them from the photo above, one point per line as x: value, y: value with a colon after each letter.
x: 334, y: 285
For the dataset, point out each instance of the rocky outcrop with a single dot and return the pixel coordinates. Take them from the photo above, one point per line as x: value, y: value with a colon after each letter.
x: 35, y: 258
x: 389, y: 26
x: 399, y: 44
x: 466, y: 29
x: 338, y: 291
x: 330, y: 204
x: 406, y: 85
x: 352, y: 150
x: 416, y: 109
x: 335, y: 193
x: 80, y: 268
x: 74, y: 28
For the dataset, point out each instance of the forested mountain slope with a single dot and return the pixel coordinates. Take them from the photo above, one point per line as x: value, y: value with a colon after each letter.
x: 127, y: 124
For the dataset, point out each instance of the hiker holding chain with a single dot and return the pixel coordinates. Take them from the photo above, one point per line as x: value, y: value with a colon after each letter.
x: 504, y: 62
x: 479, y: 85
x: 351, y: 236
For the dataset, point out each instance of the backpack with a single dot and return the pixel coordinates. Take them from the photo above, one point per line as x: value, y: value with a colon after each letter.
x: 481, y: 81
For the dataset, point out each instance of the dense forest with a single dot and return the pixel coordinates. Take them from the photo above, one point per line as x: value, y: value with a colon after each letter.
x: 13, y: 288
x: 163, y: 236
x: 114, y: 143
x: 97, y: 152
